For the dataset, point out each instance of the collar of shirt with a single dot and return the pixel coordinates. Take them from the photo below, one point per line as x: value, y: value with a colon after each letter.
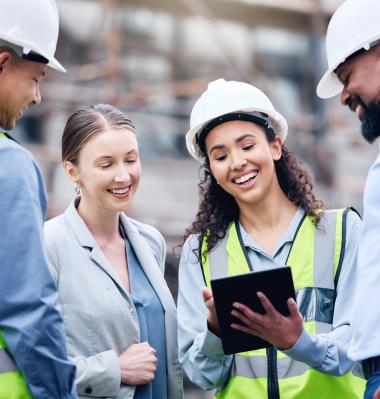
x: 286, y: 238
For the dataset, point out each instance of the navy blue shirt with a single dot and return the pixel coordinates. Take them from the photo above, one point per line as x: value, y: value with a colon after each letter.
x: 152, y: 325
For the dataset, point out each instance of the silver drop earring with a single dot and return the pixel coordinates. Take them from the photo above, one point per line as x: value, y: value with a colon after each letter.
x: 76, y: 188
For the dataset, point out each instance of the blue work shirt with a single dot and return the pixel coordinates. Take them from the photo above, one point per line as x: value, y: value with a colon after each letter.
x: 29, y: 319
x: 366, y: 312
x: 152, y: 325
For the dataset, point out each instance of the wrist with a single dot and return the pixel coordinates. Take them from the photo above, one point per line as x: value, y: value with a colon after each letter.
x: 290, y: 341
x: 213, y: 327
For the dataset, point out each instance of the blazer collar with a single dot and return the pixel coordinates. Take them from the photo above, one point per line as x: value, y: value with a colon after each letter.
x: 87, y: 240
x: 81, y: 231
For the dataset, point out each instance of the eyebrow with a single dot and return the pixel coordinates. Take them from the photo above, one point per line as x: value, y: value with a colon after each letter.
x: 111, y: 157
x: 238, y: 140
x: 41, y: 74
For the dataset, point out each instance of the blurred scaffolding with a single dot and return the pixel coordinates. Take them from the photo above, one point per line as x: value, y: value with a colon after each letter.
x: 152, y: 58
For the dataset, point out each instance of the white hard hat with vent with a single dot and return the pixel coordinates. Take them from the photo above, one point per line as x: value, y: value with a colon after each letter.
x: 33, y: 26
x: 227, y: 97
x: 354, y: 26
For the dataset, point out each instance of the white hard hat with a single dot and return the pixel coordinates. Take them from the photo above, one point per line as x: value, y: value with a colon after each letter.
x: 227, y: 97
x: 31, y: 25
x: 354, y: 26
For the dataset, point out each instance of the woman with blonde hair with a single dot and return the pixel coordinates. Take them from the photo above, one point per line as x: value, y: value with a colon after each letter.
x: 119, y: 315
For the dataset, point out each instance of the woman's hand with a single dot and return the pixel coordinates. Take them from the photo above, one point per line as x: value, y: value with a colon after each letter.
x: 138, y: 364
x: 282, y: 332
x: 211, y: 317
x: 377, y: 394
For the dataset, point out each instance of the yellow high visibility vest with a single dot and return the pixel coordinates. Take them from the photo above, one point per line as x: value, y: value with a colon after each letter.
x: 315, y: 259
x: 12, y: 383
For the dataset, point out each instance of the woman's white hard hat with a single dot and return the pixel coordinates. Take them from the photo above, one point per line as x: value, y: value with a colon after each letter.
x: 33, y: 26
x: 225, y: 97
x: 354, y: 26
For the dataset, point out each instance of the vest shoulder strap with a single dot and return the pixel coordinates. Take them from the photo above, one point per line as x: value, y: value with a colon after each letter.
x: 343, y: 235
x: 6, y: 135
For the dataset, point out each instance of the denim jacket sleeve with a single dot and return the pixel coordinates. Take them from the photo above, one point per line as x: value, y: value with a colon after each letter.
x: 29, y: 319
x: 200, y: 351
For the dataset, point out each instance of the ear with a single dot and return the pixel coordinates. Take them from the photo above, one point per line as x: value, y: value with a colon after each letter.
x: 71, y: 170
x: 5, y: 59
x: 276, y: 148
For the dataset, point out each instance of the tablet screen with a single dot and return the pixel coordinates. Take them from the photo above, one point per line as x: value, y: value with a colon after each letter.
x: 276, y: 284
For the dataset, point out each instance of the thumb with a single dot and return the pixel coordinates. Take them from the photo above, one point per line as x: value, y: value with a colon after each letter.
x: 293, y: 308
x: 207, y: 294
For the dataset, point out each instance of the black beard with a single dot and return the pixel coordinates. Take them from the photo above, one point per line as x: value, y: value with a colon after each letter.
x: 371, y: 122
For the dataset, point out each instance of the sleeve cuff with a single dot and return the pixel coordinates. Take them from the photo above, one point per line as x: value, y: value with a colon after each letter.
x: 308, y: 349
x: 211, y: 345
x: 103, y: 377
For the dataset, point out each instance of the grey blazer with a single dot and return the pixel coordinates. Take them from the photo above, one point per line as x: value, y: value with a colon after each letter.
x: 99, y: 316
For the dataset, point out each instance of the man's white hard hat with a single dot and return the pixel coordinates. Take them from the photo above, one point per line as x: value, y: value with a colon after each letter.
x: 354, y: 26
x: 33, y: 26
x: 226, y: 97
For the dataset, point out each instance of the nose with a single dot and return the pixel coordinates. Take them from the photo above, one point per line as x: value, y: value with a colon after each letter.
x: 122, y: 175
x: 345, y: 96
x: 37, y: 95
x: 238, y: 161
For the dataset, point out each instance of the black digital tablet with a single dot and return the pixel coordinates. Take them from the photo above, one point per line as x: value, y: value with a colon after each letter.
x: 276, y: 284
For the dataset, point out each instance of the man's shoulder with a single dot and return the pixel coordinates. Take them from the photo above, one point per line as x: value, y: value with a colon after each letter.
x: 12, y: 153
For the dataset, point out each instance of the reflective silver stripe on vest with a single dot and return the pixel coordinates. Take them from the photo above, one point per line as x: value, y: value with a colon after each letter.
x: 324, y: 250
x: 257, y: 367
x: 316, y: 304
x: 7, y: 364
x: 218, y: 256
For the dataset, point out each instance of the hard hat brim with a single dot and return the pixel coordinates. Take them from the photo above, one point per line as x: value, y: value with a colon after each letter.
x: 55, y: 64
x: 329, y: 86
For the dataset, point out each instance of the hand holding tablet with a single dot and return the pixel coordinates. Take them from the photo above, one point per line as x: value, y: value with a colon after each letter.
x: 258, y: 321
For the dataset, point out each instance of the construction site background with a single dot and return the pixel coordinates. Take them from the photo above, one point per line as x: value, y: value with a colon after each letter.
x: 152, y: 59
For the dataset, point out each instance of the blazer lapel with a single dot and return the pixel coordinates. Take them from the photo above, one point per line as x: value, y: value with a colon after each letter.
x: 148, y: 263
x: 87, y: 240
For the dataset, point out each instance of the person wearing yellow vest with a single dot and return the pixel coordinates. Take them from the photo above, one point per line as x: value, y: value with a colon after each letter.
x: 33, y: 356
x: 257, y: 212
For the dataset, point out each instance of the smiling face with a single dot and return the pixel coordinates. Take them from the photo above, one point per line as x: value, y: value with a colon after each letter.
x: 361, y: 89
x: 108, y: 171
x: 19, y: 87
x: 242, y: 160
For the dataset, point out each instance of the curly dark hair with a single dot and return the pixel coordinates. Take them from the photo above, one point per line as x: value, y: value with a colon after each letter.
x: 218, y: 208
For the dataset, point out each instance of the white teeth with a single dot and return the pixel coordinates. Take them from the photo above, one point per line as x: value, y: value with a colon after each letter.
x: 245, y: 178
x: 357, y: 109
x: 120, y: 192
